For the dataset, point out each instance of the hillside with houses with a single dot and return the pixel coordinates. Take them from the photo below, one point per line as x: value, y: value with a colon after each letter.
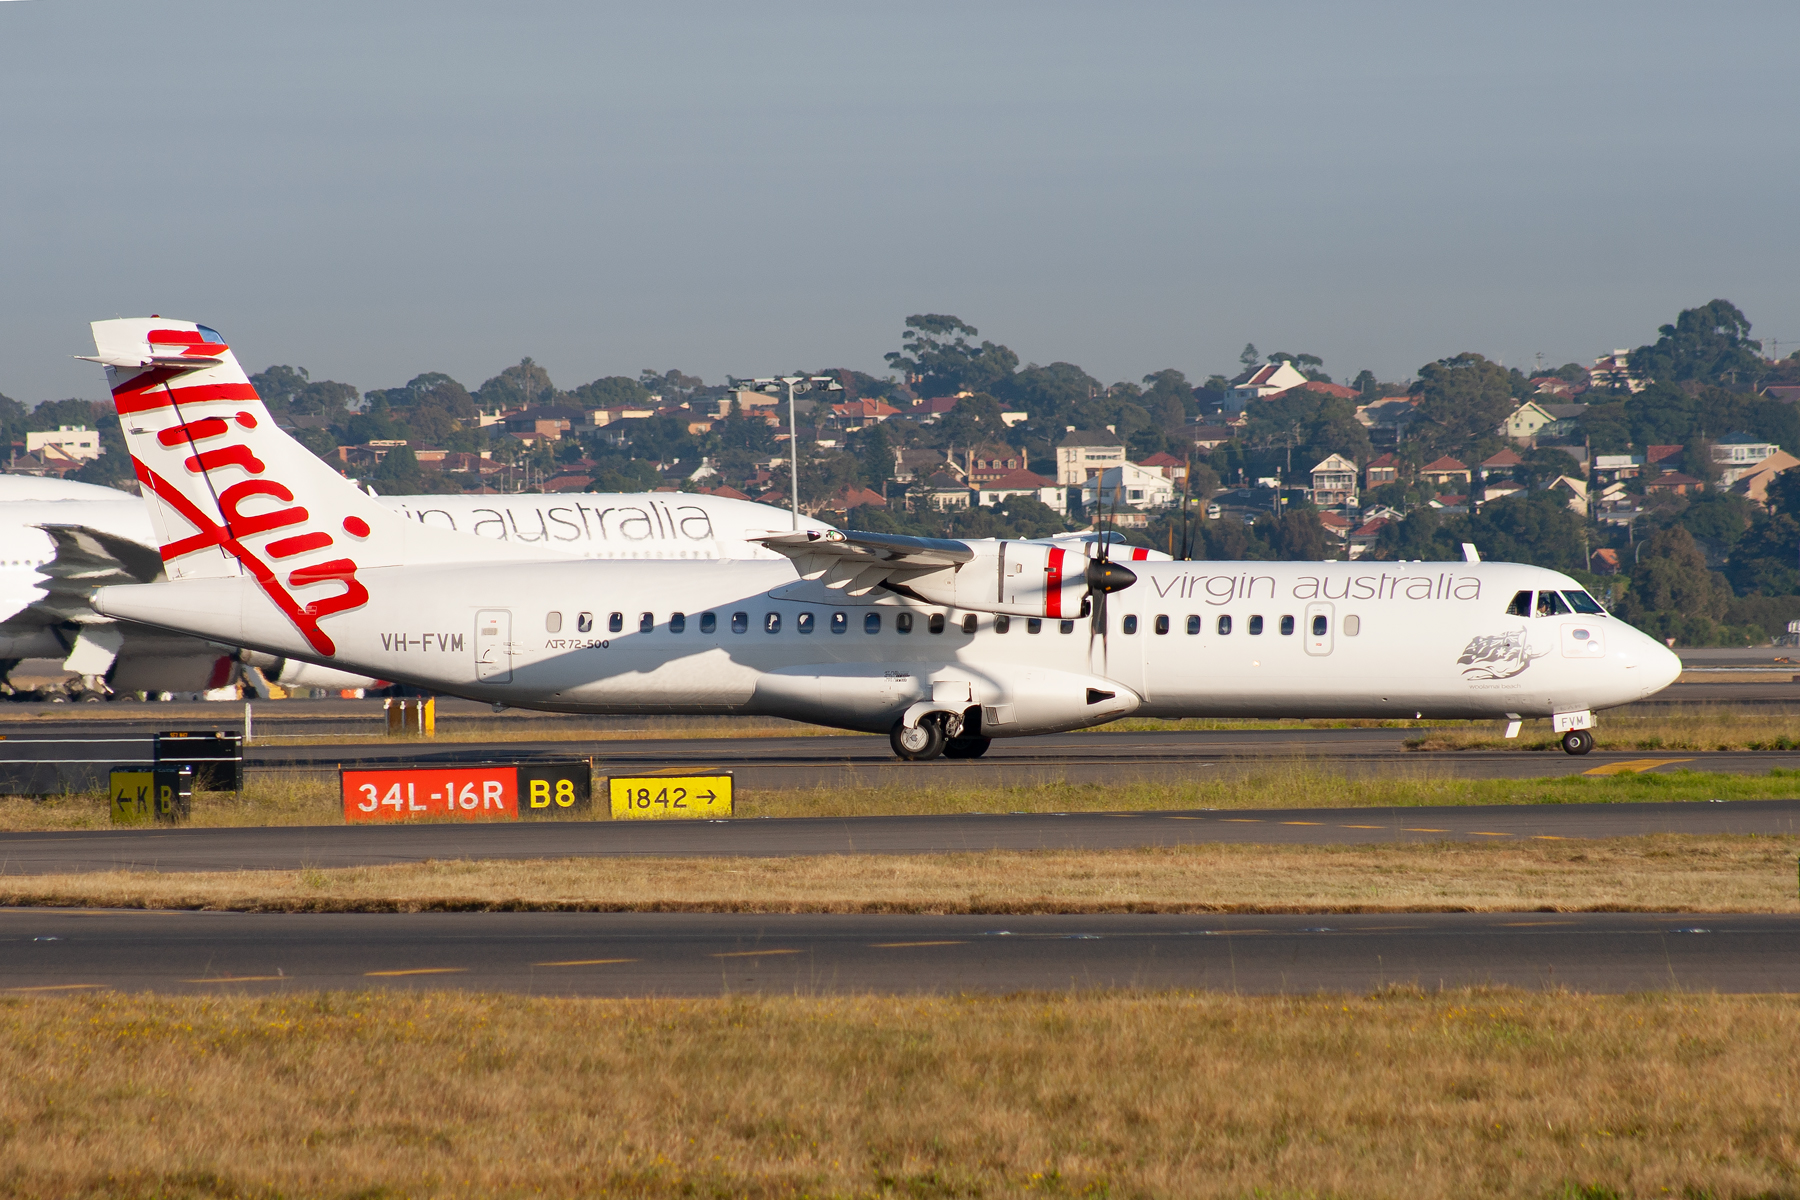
x: 1659, y: 475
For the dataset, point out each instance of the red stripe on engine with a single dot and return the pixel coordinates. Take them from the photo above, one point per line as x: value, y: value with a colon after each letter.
x: 1053, y: 584
x: 1140, y: 554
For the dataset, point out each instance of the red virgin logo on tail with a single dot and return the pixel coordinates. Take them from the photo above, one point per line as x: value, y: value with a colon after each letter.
x: 143, y: 393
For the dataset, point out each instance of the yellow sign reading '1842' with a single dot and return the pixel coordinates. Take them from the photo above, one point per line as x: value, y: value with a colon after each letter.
x: 662, y: 797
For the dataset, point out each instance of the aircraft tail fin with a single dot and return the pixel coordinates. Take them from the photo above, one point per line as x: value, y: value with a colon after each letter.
x: 231, y: 494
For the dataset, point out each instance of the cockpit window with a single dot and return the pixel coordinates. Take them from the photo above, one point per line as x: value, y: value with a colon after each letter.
x: 1551, y: 605
x: 1584, y: 603
x: 1520, y: 606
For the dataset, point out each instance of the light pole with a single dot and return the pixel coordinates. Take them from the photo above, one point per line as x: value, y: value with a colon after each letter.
x: 795, y: 384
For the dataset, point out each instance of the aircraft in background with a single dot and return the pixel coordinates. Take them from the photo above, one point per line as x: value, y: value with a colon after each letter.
x: 944, y: 645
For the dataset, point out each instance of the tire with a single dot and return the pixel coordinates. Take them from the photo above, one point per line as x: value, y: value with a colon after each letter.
x: 967, y: 747
x: 1578, y: 741
x: 922, y: 742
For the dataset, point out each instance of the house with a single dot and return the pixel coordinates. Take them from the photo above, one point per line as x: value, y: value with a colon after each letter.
x: 910, y: 465
x: 1023, y: 483
x: 1614, y: 467
x: 1262, y: 381
x: 1336, y: 391
x: 1385, y: 469
x: 1786, y: 392
x: 568, y: 483
x: 1574, y: 490
x: 1658, y: 457
x: 937, y: 406
x: 1208, y: 437
x: 1172, y: 468
x: 1755, y: 481
x: 69, y: 441
x: 1536, y: 419
x: 1445, y: 471
x: 1739, y: 453
x: 1366, y: 535
x: 1556, y: 389
x: 47, y: 462
x: 1604, y: 561
x: 942, y: 492
x: 1673, y: 483
x: 606, y: 416
x: 1334, y: 482
x: 1505, y: 462
x: 726, y: 493
x: 856, y: 414
x: 1614, y: 371
x: 1336, y: 526
x: 1084, y: 453
x: 1387, y: 419
x: 1127, y: 485
x: 990, y: 462
x: 850, y: 496
x: 548, y: 424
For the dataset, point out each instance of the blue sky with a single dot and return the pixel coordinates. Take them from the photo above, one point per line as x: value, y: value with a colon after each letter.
x: 374, y: 190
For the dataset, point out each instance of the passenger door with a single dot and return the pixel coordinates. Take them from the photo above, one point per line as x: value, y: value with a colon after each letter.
x: 493, y: 645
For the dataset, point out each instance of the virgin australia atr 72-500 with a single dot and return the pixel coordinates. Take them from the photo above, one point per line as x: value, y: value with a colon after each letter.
x: 943, y: 645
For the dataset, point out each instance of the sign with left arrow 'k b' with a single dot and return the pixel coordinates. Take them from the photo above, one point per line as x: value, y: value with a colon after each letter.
x: 669, y: 797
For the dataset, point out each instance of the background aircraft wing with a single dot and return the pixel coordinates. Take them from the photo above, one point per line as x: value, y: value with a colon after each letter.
x: 85, y: 559
x: 852, y: 563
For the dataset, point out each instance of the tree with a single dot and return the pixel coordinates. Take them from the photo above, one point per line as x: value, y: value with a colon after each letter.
x: 1673, y: 594
x: 293, y: 391
x: 1711, y: 344
x: 1170, y: 398
x: 1295, y: 533
x: 1466, y: 396
x: 1249, y: 356
x: 935, y: 351
x: 671, y: 385
x: 1053, y: 394
x: 1366, y: 383
x: 398, y: 474
x: 611, y: 391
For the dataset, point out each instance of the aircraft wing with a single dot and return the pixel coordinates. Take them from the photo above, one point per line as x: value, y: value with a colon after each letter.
x: 853, y: 563
x: 86, y: 559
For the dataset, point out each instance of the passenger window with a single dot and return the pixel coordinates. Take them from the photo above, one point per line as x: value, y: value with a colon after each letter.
x: 553, y: 622
x: 803, y: 623
x: 1320, y: 625
x: 771, y: 622
x: 708, y: 622
x: 1066, y: 626
x: 1162, y: 624
x: 740, y: 622
x: 935, y: 622
x: 1520, y: 606
x: 1287, y: 627
x: 1034, y: 625
x: 677, y: 622
x: 839, y: 622
x: 872, y: 623
x: 646, y: 622
x: 1255, y: 628
x: 584, y: 623
x: 615, y: 622
x: 903, y: 622
x: 968, y: 622
x: 1002, y: 624
x: 1129, y: 625
x: 1224, y: 626
x: 1352, y: 625
x: 1584, y: 603
x: 1193, y: 624
x: 1551, y: 605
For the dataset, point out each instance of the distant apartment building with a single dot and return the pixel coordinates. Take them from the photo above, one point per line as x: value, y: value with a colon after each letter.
x: 68, y: 441
x: 1085, y: 453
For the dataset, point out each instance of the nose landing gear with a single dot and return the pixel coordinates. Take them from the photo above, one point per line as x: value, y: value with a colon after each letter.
x: 1578, y: 741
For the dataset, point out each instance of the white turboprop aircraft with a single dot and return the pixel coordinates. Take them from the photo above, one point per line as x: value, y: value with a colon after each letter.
x: 943, y: 645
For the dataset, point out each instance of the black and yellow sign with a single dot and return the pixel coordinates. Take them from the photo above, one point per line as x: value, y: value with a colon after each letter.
x: 555, y: 787
x: 669, y: 797
x: 162, y: 794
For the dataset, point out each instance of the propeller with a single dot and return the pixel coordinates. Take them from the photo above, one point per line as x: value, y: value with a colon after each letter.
x: 1104, y: 577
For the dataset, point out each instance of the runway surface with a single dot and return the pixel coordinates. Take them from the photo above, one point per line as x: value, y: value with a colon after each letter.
x: 294, y: 848
x: 61, y: 951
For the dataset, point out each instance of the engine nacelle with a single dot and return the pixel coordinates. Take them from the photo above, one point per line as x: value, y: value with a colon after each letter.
x: 1022, y: 579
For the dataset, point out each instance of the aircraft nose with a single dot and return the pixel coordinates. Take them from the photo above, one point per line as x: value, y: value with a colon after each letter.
x: 1663, y: 664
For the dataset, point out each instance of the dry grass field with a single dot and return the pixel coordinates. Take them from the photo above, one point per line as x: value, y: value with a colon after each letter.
x: 1474, y: 1093
x: 273, y: 798
x: 1662, y: 873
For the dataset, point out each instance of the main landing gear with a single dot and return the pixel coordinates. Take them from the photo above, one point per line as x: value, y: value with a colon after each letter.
x: 1578, y: 741
x: 937, y: 733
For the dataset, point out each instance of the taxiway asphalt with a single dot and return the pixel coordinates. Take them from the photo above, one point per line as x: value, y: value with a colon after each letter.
x: 328, y: 846
x: 50, y: 951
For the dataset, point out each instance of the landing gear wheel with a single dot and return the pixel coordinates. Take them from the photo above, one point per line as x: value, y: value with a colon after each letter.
x: 1578, y: 741
x: 923, y: 741
x: 967, y: 747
